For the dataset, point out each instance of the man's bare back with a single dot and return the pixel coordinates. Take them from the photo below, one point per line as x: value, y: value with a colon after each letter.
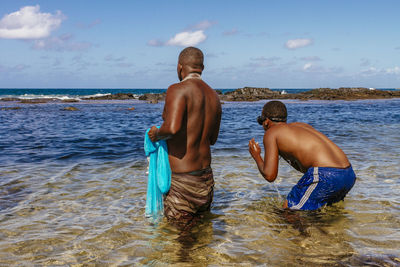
x: 192, y: 116
x: 199, y: 108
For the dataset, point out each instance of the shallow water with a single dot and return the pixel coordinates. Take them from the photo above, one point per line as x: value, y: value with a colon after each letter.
x: 73, y: 185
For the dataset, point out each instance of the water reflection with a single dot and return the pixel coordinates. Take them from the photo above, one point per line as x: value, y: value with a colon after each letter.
x: 170, y: 245
x: 11, y: 193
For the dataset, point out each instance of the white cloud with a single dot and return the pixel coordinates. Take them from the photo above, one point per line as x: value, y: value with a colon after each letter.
x: 124, y: 65
x: 29, y: 23
x: 318, y: 69
x: 203, y: 25
x: 90, y: 25
x: 266, y: 58
x: 372, y: 71
x: 395, y: 70
x: 298, y: 43
x: 365, y: 62
x: 187, y: 38
x: 231, y: 32
x: 117, y: 61
x: 16, y: 68
x: 260, y: 62
x: 307, y: 66
x: 61, y: 43
x: 311, y: 58
x: 113, y: 58
x: 155, y: 42
x: 192, y: 36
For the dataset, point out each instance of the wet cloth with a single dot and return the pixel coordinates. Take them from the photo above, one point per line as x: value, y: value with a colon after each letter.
x: 321, y: 186
x: 159, y: 179
x: 190, y: 195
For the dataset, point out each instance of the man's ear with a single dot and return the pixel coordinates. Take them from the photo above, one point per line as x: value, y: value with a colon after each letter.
x: 179, y: 70
x: 266, y: 123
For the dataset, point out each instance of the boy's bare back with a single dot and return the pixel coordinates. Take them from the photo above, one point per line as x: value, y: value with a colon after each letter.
x: 304, y: 147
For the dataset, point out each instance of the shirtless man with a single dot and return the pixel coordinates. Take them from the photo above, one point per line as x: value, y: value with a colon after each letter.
x: 328, y: 175
x: 192, y: 116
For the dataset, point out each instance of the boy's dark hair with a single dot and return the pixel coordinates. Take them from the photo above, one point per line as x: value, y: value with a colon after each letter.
x: 275, y: 111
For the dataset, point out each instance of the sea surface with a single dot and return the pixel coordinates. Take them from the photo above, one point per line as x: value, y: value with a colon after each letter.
x: 73, y: 187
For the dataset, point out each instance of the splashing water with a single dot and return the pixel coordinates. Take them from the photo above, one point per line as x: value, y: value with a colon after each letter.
x: 276, y: 188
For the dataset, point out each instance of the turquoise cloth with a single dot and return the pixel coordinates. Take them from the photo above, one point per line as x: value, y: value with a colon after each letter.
x: 159, y: 180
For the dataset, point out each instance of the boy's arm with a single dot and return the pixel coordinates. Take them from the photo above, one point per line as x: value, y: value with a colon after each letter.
x: 268, y: 167
x: 255, y: 152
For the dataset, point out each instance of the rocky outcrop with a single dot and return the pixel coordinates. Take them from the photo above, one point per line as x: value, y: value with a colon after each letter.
x: 9, y: 99
x: 255, y: 94
x: 36, y: 101
x: 245, y: 94
x: 117, y: 96
x: 10, y: 108
x: 249, y: 94
x: 153, y: 98
x: 69, y: 100
x: 343, y: 93
x: 70, y: 109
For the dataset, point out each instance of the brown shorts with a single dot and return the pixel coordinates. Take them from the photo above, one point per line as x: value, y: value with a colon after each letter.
x: 189, y: 196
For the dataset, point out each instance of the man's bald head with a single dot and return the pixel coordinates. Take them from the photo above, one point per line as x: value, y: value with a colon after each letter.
x: 192, y: 57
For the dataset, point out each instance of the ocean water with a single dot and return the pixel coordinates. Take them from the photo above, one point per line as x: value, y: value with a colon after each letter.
x: 73, y: 187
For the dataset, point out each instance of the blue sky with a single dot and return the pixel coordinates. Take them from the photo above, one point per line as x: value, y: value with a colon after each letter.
x: 135, y: 44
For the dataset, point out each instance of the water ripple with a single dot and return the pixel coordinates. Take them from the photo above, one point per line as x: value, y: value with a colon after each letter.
x: 73, y: 188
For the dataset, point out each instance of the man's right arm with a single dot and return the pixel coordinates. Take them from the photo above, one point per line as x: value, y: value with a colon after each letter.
x: 175, y: 105
x: 215, y: 130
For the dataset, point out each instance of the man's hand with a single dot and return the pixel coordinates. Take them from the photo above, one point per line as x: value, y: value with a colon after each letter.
x: 153, y: 133
x: 254, y: 149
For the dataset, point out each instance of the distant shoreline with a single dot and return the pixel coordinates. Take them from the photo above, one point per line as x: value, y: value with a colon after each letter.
x: 241, y: 94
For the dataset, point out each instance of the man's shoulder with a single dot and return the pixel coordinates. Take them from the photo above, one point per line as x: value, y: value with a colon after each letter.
x: 174, y: 86
x: 175, y: 89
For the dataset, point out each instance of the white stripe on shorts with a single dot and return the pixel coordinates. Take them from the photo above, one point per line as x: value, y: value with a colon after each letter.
x: 308, y: 192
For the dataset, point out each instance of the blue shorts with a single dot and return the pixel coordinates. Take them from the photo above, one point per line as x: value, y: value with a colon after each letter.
x: 321, y: 186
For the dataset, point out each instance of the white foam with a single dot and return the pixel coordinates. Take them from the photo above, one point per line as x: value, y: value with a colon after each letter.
x: 60, y: 97
x: 96, y: 95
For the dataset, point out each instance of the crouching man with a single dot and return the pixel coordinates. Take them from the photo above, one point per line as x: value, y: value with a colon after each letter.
x: 328, y: 175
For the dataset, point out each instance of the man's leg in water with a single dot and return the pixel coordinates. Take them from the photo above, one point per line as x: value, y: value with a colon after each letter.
x: 285, y: 204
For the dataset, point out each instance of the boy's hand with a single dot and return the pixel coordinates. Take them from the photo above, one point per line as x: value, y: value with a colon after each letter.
x: 254, y: 148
